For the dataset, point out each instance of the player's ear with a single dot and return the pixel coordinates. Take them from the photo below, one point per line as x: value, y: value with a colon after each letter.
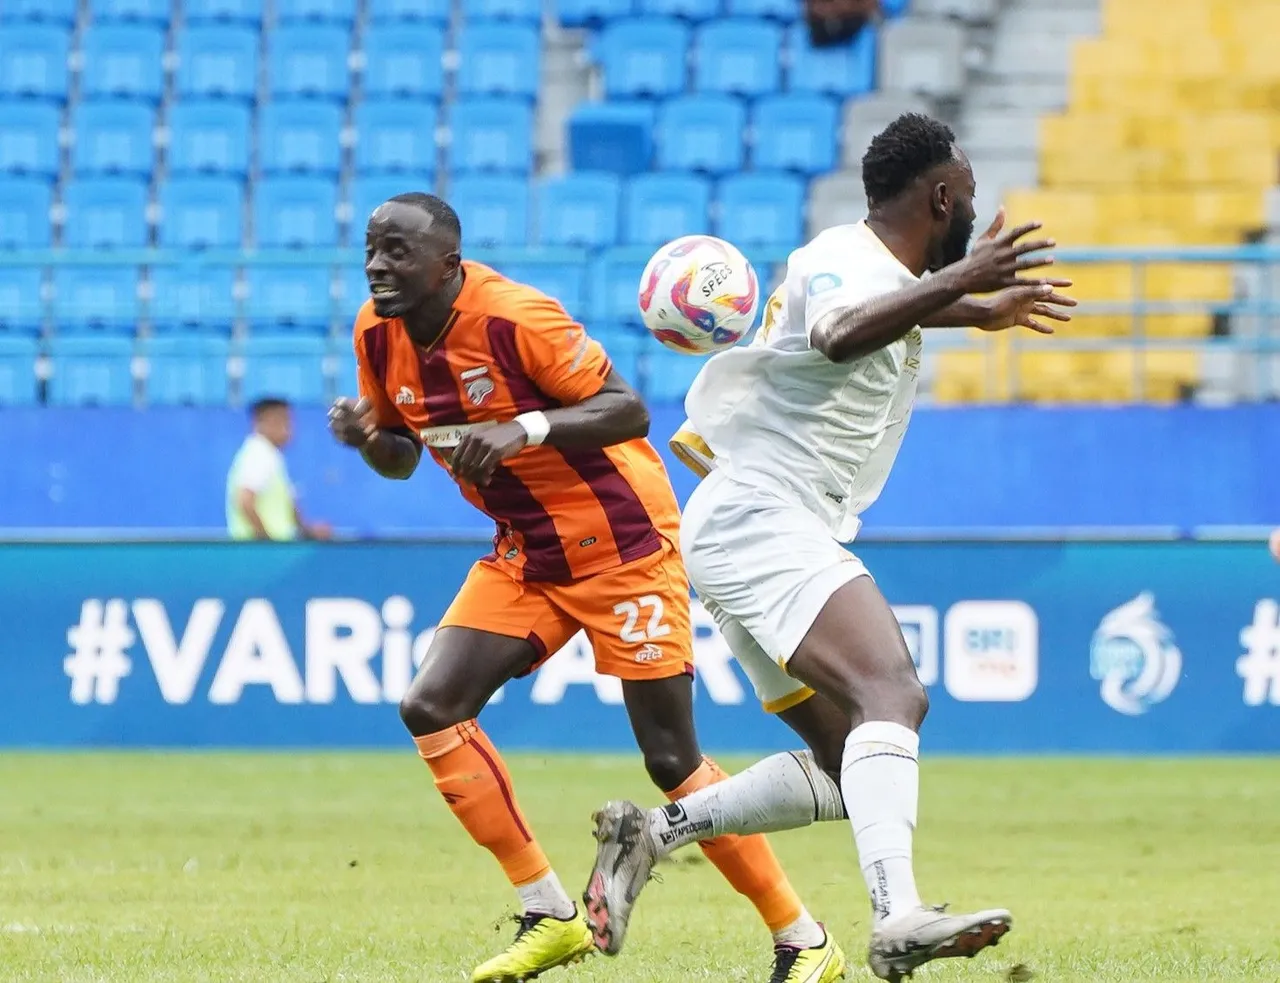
x: 941, y: 202
x: 451, y: 262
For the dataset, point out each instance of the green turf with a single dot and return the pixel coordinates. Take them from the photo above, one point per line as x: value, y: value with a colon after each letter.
x: 314, y: 868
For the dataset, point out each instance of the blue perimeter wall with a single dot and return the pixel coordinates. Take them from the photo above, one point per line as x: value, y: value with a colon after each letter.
x: 960, y: 469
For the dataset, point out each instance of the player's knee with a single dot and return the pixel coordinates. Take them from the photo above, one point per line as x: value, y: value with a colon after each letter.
x: 425, y: 711
x: 668, y: 768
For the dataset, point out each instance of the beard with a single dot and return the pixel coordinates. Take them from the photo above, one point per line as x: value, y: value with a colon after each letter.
x: 955, y: 244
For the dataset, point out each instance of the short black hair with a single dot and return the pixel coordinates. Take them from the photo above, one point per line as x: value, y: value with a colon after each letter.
x: 443, y: 217
x: 266, y: 404
x: 904, y: 150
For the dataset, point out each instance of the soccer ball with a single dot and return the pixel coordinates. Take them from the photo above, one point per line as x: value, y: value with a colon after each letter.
x: 698, y: 295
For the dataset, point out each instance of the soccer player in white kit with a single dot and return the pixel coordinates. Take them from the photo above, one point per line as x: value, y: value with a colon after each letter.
x: 796, y: 435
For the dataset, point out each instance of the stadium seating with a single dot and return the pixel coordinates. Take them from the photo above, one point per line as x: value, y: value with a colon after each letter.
x: 106, y: 212
x: 395, y: 135
x: 404, y: 60
x: 209, y: 137
x: 25, y: 207
x: 18, y: 381
x: 670, y: 374
x: 300, y: 136
x: 658, y: 205
x: 529, y: 11
x: 493, y: 210
x: 777, y: 10
x: 188, y: 370
x: 155, y: 12
x: 331, y: 11
x: 491, y: 135
x: 795, y: 133
x: 738, y: 57
x: 566, y: 282
x: 615, y: 278
x: 689, y: 10
x: 96, y: 299
x: 91, y: 371
x: 29, y: 139
x: 113, y: 137
x: 223, y: 11
x: 308, y: 60
x: 644, y: 57
x: 295, y: 212
x: 353, y: 291
x: 201, y: 212
x: 701, y: 133
x: 578, y: 210
x: 192, y: 298
x: 53, y: 11
x: 288, y: 297
x: 499, y: 60
x: 370, y: 191
x: 393, y: 11
x: 847, y: 70
x: 290, y: 366
x: 33, y: 61
x: 218, y: 61
x: 21, y: 304
x: 591, y: 13
x: 123, y: 61
x: 761, y: 210
x: 611, y: 136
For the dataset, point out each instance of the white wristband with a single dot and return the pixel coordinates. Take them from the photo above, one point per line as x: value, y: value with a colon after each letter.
x: 536, y: 425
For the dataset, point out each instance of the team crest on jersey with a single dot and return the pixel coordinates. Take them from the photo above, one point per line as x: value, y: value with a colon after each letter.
x: 478, y: 385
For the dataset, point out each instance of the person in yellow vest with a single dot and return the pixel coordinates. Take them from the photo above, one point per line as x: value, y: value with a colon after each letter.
x: 260, y: 498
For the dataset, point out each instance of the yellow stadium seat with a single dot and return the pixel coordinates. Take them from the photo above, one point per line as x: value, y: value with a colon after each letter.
x: 1178, y: 325
x: 961, y: 377
x: 1187, y: 281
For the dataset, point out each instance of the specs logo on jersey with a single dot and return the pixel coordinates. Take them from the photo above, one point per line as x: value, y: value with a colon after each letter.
x: 478, y: 385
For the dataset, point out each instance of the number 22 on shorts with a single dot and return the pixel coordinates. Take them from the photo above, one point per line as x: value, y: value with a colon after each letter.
x: 631, y: 612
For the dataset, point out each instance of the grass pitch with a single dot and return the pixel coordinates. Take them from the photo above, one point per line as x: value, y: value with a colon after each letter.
x: 325, y: 868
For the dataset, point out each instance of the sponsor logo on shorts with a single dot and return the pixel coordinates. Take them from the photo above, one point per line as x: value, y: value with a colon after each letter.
x: 649, y: 653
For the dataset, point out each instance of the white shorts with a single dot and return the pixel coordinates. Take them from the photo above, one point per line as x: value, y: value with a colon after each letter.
x: 764, y: 567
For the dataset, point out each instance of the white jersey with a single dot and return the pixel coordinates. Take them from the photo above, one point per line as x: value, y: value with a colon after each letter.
x: 779, y: 415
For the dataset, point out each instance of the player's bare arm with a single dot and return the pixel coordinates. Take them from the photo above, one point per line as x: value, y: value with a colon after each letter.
x: 614, y: 415
x: 390, y: 454
x: 995, y: 264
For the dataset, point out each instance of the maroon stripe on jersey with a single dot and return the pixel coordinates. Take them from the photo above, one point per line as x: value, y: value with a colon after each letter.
x: 377, y: 350
x: 507, y: 500
x: 629, y: 521
x: 524, y: 391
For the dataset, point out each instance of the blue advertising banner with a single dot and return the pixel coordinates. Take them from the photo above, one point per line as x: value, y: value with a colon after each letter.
x: 1025, y: 647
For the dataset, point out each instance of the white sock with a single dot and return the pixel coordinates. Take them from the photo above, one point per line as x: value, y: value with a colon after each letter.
x: 880, y: 777
x: 785, y: 791
x: 546, y: 896
x: 803, y: 933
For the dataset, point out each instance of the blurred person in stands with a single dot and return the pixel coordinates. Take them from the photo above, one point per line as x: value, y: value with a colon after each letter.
x: 1275, y: 544
x: 261, y: 503
x: 836, y: 22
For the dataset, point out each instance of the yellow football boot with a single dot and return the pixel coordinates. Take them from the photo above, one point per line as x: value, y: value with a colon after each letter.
x: 541, y: 943
x: 822, y: 964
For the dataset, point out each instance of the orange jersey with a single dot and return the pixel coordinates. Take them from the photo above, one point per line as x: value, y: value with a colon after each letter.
x: 562, y: 513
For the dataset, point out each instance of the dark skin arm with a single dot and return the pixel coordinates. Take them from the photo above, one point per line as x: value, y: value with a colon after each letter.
x: 390, y: 454
x: 1016, y: 306
x: 613, y: 415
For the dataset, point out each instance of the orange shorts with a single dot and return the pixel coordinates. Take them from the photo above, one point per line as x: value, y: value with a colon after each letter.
x: 636, y: 616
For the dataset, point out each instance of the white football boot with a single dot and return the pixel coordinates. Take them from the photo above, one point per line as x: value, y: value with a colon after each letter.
x: 902, y: 943
x: 624, y: 862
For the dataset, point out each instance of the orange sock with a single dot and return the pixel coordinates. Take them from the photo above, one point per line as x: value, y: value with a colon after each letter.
x: 471, y: 776
x: 747, y: 862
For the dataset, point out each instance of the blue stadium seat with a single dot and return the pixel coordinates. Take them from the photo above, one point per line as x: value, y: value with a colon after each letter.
x: 95, y: 371
x: 779, y: 10
x: 353, y: 291
x: 290, y: 366
x: 53, y: 11
x: 796, y: 133
x: 308, y: 61
x: 693, y: 10
x: 18, y: 380
x: 623, y: 343
x: 494, y: 210
x: 760, y: 209
x: 334, y: 11
x: 295, y: 212
x: 659, y: 207
x: 395, y: 135
x: 21, y: 301
x: 392, y: 11
x: 844, y: 70
x: 644, y: 57
x: 193, y: 297
x: 615, y: 283
x: 289, y: 297
x: 499, y: 60
x: 33, y: 61
x: 209, y: 136
x: 670, y: 374
x: 219, y: 61
x: 579, y: 210
x: 892, y: 9
x: 137, y: 11
x: 201, y: 213
x: 123, y: 60
x: 403, y: 60
x: 370, y: 191
x: 96, y: 298
x: 611, y: 136
x: 345, y: 380
x: 740, y: 57
x: 566, y: 282
x: 592, y: 13
x: 113, y: 136
x: 29, y: 138
x: 105, y: 212
x: 491, y: 135
x: 24, y: 213
x: 490, y: 10
x: 222, y: 11
x: 701, y: 133
x: 186, y: 370
x: 300, y: 136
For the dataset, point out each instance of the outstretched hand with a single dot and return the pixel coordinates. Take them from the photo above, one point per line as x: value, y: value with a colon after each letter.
x: 998, y: 257
x: 1024, y: 307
